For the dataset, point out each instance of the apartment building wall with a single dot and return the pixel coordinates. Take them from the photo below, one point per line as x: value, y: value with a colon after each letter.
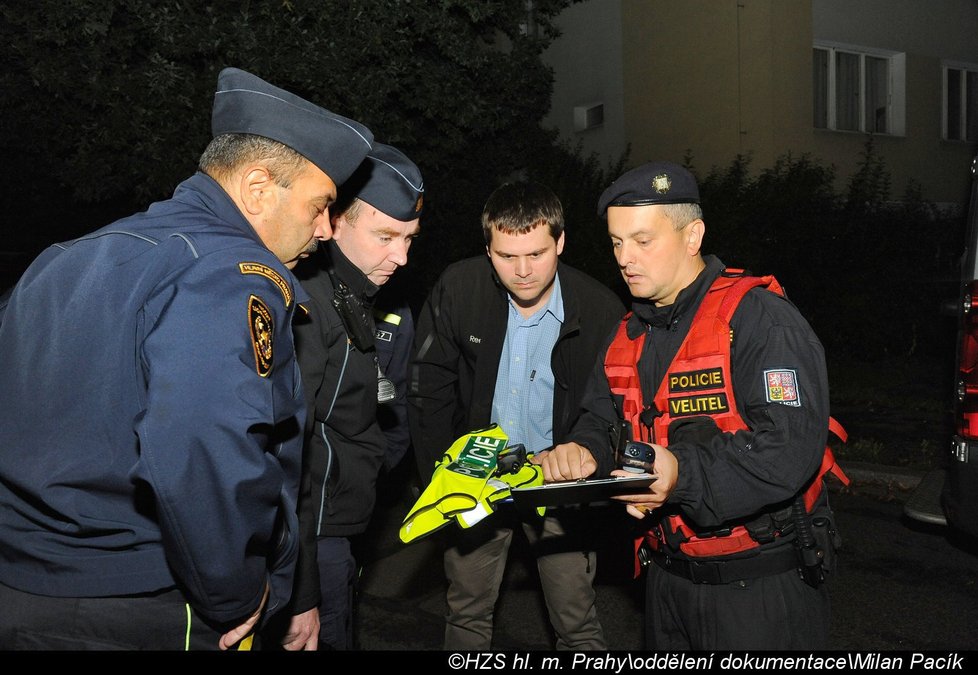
x: 588, y: 67
x: 710, y: 79
x: 928, y: 34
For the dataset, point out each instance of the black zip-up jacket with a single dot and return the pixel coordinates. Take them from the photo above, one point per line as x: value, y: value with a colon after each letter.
x: 345, y: 446
x: 458, y: 342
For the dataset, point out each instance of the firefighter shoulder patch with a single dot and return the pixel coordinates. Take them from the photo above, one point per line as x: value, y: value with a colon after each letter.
x: 262, y: 327
x: 782, y: 387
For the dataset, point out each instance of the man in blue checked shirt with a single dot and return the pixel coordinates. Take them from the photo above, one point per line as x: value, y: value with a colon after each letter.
x: 511, y: 338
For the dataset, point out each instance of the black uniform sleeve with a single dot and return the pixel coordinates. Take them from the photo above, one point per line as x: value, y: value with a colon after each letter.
x: 306, y: 593
x: 598, y: 414
x: 781, y: 388
x: 432, y: 380
x: 393, y: 416
x: 312, y: 354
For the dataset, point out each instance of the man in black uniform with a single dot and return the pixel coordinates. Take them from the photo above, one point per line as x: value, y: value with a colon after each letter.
x: 726, y: 381
x: 377, y: 217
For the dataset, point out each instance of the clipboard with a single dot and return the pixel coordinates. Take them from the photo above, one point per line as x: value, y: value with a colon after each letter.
x: 580, y: 491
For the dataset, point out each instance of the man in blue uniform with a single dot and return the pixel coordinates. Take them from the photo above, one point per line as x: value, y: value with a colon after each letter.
x: 151, y: 407
x: 351, y: 386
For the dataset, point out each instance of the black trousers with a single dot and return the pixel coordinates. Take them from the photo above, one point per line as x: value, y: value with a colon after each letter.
x: 777, y: 612
x: 158, y: 621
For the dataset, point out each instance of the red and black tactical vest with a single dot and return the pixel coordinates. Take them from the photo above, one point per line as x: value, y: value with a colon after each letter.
x: 698, y: 382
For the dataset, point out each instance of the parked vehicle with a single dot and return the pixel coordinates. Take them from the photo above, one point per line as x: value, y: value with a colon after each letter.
x: 959, y: 497
x: 949, y: 495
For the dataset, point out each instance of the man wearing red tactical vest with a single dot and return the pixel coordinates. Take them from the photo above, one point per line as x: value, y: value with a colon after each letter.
x: 725, y: 380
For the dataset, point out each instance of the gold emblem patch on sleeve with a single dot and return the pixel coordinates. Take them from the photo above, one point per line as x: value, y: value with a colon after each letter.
x: 262, y: 327
x: 271, y: 275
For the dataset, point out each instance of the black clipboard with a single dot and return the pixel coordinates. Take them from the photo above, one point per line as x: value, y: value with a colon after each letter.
x: 580, y: 491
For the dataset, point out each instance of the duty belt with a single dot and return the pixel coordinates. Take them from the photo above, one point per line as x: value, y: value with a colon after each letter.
x: 728, y: 571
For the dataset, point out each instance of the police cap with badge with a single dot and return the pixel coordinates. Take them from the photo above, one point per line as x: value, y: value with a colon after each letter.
x: 388, y: 181
x: 652, y: 183
x: 246, y: 104
x: 391, y: 183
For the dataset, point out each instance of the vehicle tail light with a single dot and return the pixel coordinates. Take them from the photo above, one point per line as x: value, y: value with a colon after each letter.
x: 967, y: 394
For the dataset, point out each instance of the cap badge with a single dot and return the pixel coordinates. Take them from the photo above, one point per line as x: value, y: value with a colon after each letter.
x: 661, y: 183
x: 418, y: 204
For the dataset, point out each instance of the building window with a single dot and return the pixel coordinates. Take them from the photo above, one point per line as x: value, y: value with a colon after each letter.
x: 529, y: 27
x: 857, y: 90
x: 960, y: 102
x: 588, y: 116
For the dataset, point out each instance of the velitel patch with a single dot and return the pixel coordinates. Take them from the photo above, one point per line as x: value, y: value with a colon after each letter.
x: 703, y: 404
x: 262, y: 328
x: 782, y: 387
x: 271, y: 275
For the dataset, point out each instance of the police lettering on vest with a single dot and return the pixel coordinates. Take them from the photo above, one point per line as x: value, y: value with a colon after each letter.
x: 702, y: 379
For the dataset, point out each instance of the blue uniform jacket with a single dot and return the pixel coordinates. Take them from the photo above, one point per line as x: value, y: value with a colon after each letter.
x: 151, y: 412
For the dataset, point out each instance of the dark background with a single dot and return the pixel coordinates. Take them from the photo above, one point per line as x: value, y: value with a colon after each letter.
x: 106, y: 107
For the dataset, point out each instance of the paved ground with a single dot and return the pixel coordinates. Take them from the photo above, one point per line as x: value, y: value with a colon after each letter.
x: 403, y: 588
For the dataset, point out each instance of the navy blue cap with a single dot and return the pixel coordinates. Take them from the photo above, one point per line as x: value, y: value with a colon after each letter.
x: 652, y: 183
x: 388, y: 181
x: 246, y: 104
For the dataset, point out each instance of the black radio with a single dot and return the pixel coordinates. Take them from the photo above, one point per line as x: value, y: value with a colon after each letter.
x: 638, y: 457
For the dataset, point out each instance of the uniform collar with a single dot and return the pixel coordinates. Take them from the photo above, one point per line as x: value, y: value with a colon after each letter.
x: 350, y: 274
x: 688, y: 300
x: 208, y: 194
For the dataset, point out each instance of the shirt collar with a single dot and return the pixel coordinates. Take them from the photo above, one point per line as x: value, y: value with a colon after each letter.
x: 554, y: 306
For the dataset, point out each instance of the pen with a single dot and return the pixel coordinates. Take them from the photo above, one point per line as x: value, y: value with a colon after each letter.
x: 533, y: 374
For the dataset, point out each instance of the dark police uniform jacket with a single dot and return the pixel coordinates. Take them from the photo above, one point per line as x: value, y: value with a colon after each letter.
x: 729, y: 477
x: 459, y: 339
x: 149, y: 412
x: 346, y: 446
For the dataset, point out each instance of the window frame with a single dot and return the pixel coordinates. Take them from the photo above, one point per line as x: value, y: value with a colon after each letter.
x: 895, y: 94
x: 965, y: 68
